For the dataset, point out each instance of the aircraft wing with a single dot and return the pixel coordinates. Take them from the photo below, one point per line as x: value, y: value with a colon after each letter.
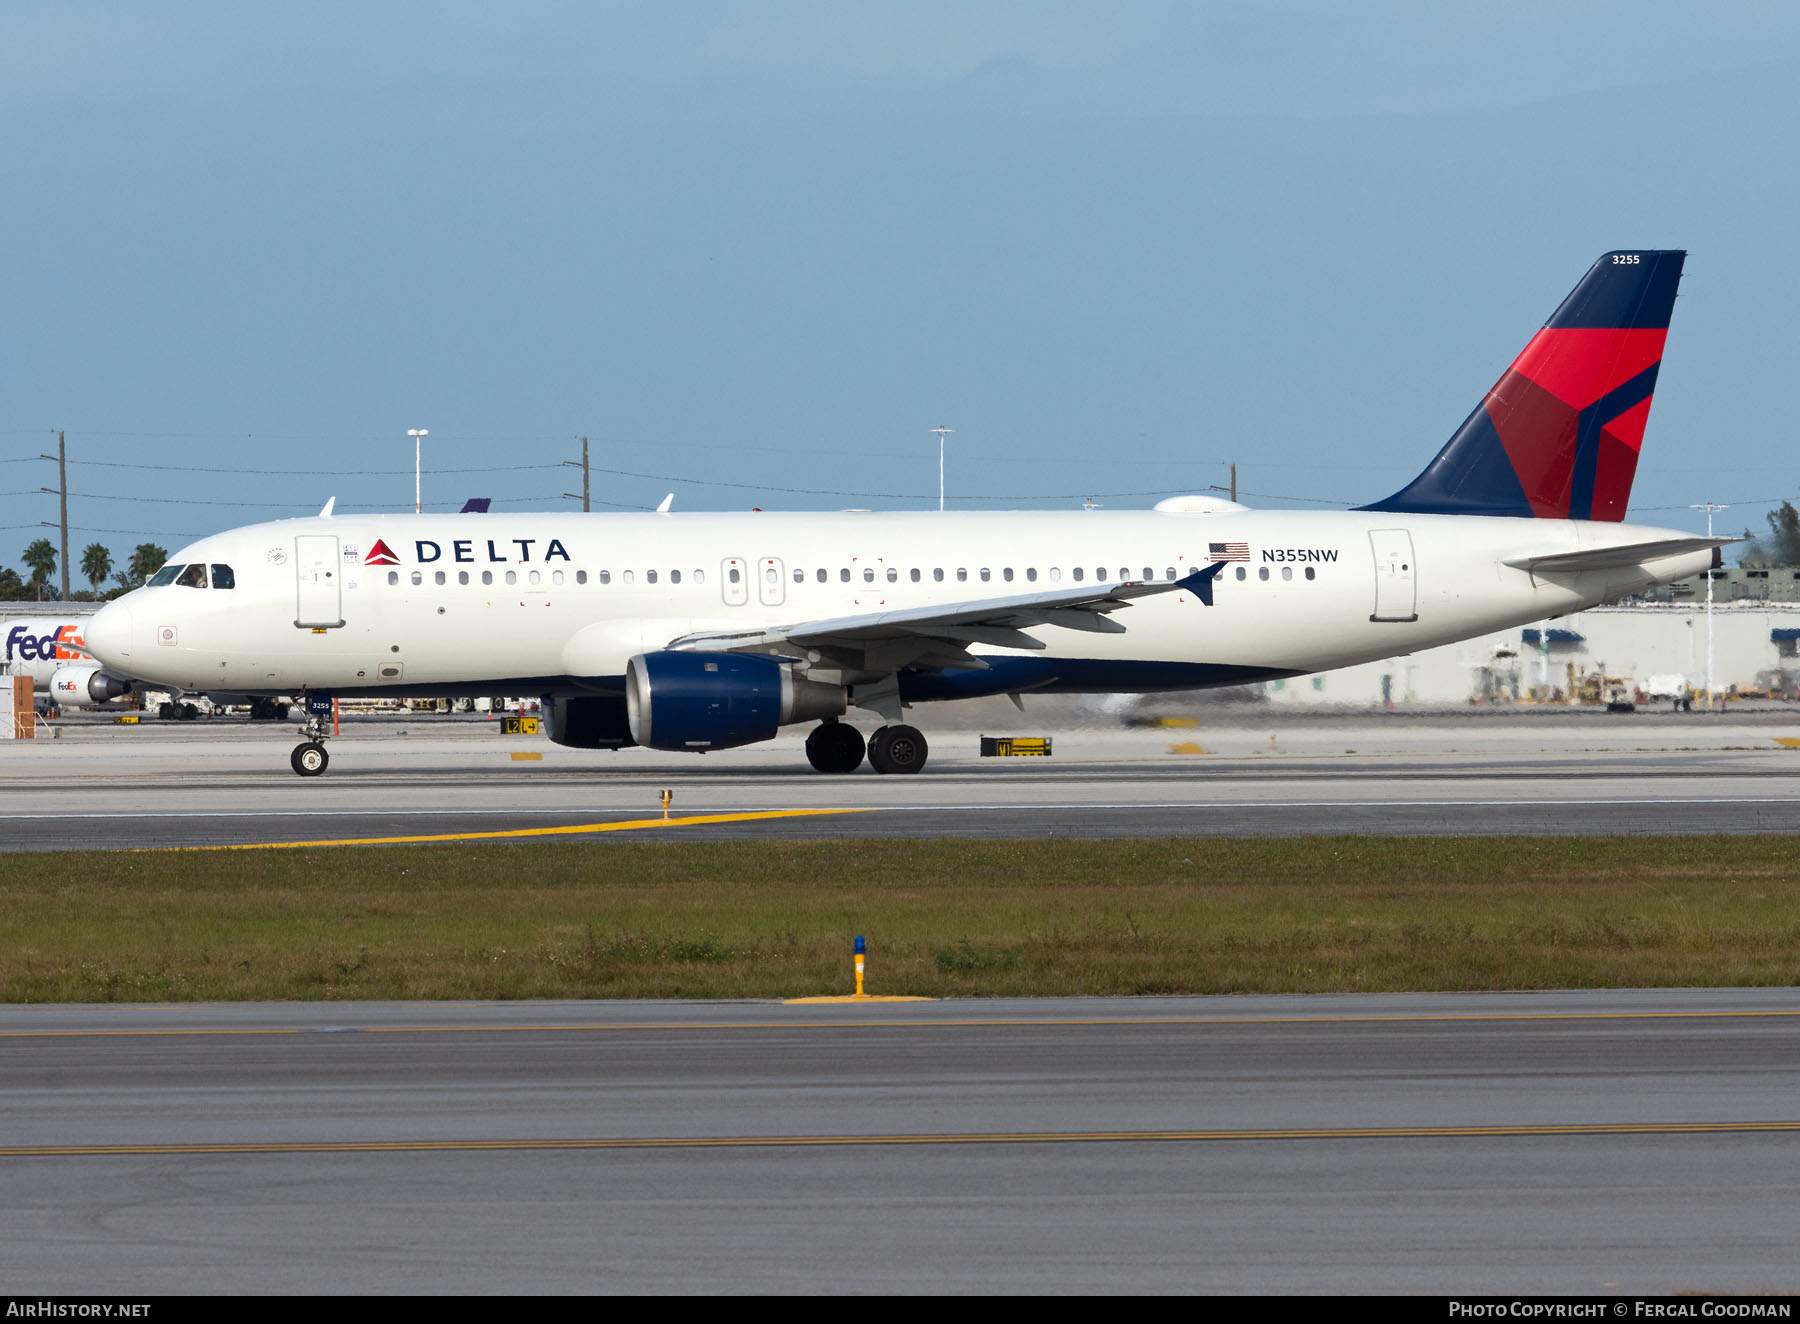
x: 939, y: 635
x: 1604, y: 558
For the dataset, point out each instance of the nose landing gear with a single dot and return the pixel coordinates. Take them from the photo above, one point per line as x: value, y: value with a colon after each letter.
x: 309, y: 758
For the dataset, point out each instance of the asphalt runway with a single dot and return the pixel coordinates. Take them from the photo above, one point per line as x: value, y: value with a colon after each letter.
x: 1639, y: 1142
x: 225, y: 783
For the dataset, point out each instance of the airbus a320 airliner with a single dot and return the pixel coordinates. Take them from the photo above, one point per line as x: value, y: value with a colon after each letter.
x: 708, y: 631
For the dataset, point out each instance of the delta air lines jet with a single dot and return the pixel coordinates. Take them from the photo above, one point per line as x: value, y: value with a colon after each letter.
x: 707, y: 631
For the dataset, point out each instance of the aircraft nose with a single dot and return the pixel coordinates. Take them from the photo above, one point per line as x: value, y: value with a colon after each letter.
x: 108, y: 634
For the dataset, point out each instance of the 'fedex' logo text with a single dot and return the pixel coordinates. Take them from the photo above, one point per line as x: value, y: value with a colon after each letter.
x: 60, y: 645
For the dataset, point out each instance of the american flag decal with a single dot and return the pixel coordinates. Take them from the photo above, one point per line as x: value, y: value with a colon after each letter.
x: 1229, y: 551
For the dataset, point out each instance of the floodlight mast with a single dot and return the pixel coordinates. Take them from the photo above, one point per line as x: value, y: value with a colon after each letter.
x: 1709, y: 507
x: 942, y: 432
x: 417, y: 434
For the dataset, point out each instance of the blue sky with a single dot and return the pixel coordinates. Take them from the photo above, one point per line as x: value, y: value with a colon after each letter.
x: 755, y: 251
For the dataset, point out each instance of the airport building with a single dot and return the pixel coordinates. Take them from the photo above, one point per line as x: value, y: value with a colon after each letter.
x: 1641, y: 651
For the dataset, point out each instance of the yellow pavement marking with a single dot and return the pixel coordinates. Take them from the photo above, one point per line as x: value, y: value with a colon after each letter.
x: 856, y: 997
x: 527, y: 756
x: 1790, y: 741
x: 945, y: 1138
x: 629, y: 825
x: 1042, y: 1022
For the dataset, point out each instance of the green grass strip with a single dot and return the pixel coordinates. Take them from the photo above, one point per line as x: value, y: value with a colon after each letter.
x: 611, y: 919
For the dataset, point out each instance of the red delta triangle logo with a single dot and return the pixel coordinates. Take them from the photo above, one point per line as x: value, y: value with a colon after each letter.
x: 381, y: 554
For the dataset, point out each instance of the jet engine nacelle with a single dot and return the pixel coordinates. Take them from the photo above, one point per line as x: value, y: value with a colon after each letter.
x: 676, y: 700
x: 85, y: 686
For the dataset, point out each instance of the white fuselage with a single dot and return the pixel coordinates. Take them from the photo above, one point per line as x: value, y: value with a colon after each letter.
x: 484, y: 604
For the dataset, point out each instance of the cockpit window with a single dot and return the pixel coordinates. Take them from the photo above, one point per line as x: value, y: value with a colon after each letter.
x: 164, y: 576
x: 222, y: 577
x: 193, y: 576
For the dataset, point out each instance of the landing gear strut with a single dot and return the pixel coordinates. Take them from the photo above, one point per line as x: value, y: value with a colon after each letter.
x: 898, y: 748
x: 835, y: 747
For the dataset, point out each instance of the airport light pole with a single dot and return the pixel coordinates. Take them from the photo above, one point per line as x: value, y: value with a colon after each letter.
x: 1709, y: 507
x: 417, y: 434
x: 942, y: 432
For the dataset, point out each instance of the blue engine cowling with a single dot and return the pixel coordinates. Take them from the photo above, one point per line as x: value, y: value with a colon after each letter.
x: 700, y: 701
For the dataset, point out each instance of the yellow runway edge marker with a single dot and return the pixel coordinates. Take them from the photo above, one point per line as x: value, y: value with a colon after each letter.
x: 859, y: 995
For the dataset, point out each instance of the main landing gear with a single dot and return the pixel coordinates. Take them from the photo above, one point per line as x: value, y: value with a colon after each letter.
x: 837, y: 747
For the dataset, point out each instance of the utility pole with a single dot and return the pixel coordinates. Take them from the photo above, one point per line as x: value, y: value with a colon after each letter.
x: 62, y: 491
x: 1214, y: 487
x: 1709, y: 507
x: 942, y: 432
x: 570, y: 464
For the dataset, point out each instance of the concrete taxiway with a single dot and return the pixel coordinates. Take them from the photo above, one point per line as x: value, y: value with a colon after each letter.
x: 1583, y: 1143
x: 222, y: 783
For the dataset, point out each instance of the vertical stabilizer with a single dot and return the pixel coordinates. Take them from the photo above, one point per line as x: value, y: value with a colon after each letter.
x: 1558, y: 435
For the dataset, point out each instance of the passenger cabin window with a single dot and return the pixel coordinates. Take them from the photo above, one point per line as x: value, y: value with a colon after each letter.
x: 986, y: 574
x: 736, y: 578
x: 938, y: 575
x: 1031, y: 574
x: 868, y: 574
x: 844, y: 574
x: 487, y: 576
x: 556, y: 577
x: 1170, y: 572
x: 581, y: 576
x: 799, y: 576
x: 532, y: 577
x: 962, y: 574
x: 1055, y: 574
x: 649, y: 576
x: 164, y: 576
x: 393, y: 577
x: 512, y: 576
x: 823, y: 576
x: 699, y: 576
x: 417, y: 578
x: 1309, y: 572
x: 606, y: 576
x: 222, y: 577
x: 674, y: 576
x: 1076, y: 574
x: 893, y: 575
x: 462, y: 576
x: 915, y: 576
x: 1240, y: 572
x: 439, y: 577
x: 192, y: 576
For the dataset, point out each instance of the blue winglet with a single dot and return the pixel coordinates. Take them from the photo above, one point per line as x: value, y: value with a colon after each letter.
x: 1200, y: 583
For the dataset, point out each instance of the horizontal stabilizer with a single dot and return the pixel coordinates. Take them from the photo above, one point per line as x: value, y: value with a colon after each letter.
x: 1634, y: 553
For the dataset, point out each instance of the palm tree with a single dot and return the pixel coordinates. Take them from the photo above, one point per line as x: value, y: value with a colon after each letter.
x: 146, y: 560
x: 40, y: 559
x: 96, y: 565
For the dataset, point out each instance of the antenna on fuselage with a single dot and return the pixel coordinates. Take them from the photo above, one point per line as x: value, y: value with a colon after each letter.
x: 326, y: 513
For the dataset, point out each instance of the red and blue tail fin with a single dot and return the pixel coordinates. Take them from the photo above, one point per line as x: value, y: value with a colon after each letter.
x: 1558, y: 435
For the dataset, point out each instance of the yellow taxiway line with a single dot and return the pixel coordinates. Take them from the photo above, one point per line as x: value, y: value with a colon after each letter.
x: 945, y: 1138
x: 575, y: 829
